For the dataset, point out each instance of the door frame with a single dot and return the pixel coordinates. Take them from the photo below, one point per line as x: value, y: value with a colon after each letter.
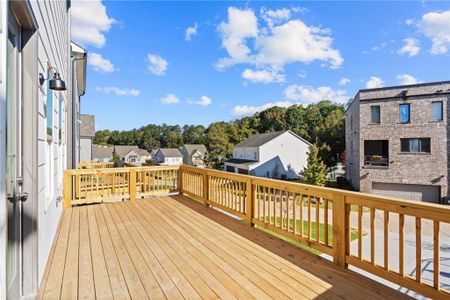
x: 28, y: 94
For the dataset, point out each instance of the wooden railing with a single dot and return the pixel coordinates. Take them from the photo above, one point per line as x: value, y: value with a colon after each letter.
x: 353, y: 228
x: 95, y: 165
x: 83, y: 186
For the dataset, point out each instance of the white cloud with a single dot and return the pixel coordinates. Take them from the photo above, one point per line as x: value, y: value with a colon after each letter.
x: 242, y: 24
x: 156, y: 64
x: 411, y: 47
x: 204, y: 101
x: 309, y: 94
x: 248, y: 110
x: 190, y: 32
x: 407, y: 79
x: 100, y: 64
x: 263, y: 76
x: 409, y: 22
x: 89, y: 22
x: 274, y: 46
x: 118, y: 91
x: 374, y: 82
x: 436, y: 26
x: 344, y: 81
x: 275, y: 16
x: 170, y: 99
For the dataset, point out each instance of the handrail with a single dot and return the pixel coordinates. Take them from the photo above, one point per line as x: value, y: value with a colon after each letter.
x: 94, y: 165
x: 324, y: 219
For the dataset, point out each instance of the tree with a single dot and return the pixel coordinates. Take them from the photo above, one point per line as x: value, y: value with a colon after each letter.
x: 272, y: 119
x: 316, y: 171
x: 194, y: 134
x: 173, y: 139
x: 219, y: 146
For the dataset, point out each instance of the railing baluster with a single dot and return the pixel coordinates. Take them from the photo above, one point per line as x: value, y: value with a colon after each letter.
x: 309, y: 217
x: 436, y: 252
x: 317, y: 219
x: 418, y: 249
x: 401, y: 243
x: 301, y: 214
x: 360, y: 209
x: 386, y: 240
x: 325, y: 222
x: 372, y: 236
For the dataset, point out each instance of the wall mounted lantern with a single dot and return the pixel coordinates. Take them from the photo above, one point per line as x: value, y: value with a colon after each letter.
x: 55, y: 82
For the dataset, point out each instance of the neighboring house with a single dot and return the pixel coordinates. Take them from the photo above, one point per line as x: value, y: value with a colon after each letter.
x: 153, y: 154
x: 168, y: 156
x: 87, y: 133
x: 35, y: 64
x: 397, y: 141
x: 194, y: 154
x: 131, y: 154
x: 281, y: 154
x: 102, y: 153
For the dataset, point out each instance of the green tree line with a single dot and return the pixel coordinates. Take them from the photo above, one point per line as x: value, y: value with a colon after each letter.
x: 320, y: 123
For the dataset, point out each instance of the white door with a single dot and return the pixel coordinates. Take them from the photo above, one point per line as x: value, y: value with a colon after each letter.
x: 13, y: 161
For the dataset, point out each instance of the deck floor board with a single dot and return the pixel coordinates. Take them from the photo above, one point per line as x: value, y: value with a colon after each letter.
x: 171, y: 247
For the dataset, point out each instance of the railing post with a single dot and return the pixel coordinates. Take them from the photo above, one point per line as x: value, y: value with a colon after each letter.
x: 67, y: 189
x: 341, y: 213
x: 205, y: 188
x: 132, y: 182
x: 249, y: 199
x: 180, y: 181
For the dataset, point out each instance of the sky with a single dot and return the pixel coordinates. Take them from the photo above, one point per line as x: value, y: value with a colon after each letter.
x: 201, y: 62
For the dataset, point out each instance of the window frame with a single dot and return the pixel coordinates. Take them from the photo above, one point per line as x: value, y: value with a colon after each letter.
x: 372, y: 107
x: 420, y: 145
x: 400, y: 112
x: 441, y: 103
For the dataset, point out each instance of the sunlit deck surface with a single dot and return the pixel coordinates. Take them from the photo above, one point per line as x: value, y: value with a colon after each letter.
x: 173, y: 247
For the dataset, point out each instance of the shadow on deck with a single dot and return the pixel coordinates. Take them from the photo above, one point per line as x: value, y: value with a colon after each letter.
x: 173, y: 247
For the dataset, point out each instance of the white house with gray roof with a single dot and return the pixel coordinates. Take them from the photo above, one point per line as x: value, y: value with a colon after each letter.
x: 281, y: 154
x: 169, y: 156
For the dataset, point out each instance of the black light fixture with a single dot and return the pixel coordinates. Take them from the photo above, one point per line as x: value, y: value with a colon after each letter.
x: 55, y: 82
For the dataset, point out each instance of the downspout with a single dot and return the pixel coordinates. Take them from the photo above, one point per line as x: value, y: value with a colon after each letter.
x: 74, y: 115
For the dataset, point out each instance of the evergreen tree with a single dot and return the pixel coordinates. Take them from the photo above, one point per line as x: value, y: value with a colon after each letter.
x: 316, y: 171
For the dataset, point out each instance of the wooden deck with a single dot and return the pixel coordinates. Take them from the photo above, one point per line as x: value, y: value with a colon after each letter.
x: 173, y: 247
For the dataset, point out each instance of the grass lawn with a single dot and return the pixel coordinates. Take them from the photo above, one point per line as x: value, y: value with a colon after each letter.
x: 353, y: 234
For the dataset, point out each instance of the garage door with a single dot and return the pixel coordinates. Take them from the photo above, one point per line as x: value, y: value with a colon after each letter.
x: 417, y: 192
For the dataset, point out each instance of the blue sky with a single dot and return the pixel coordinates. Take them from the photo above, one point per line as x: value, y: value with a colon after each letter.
x: 200, y: 62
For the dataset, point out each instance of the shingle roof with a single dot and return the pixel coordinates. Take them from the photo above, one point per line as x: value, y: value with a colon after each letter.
x: 259, y: 139
x: 102, y: 151
x: 87, y: 126
x: 191, y: 148
x: 171, y: 152
x: 121, y: 150
x: 239, y: 161
x: 143, y: 152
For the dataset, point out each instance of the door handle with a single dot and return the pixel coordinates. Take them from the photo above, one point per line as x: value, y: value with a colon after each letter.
x: 18, y: 197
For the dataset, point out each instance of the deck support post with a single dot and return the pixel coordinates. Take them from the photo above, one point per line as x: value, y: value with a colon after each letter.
x: 67, y: 189
x: 132, y: 183
x: 205, y: 188
x: 340, y: 230
x: 180, y: 180
x: 249, y: 201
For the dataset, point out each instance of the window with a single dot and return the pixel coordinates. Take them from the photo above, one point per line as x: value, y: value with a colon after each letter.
x: 415, y: 145
x: 375, y: 114
x: 376, y: 153
x: 437, y: 110
x: 405, y: 113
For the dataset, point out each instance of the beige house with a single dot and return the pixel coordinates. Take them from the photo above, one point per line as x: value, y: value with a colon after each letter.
x: 397, y: 141
x: 102, y: 153
x: 87, y: 133
x: 193, y: 154
x: 132, y: 154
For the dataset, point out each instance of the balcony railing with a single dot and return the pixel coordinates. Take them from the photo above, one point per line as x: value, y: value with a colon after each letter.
x: 376, y: 161
x: 324, y: 219
x: 95, y: 165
